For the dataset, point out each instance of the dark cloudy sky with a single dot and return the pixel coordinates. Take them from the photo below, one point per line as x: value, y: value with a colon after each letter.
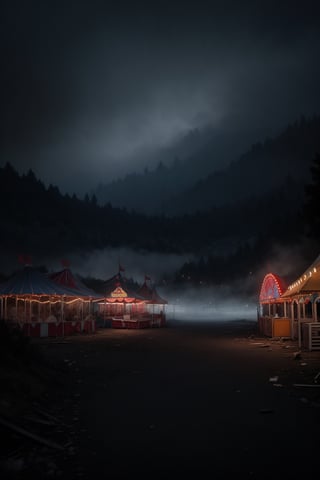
x: 90, y: 89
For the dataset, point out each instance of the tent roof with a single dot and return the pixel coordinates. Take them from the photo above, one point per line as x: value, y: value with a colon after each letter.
x: 66, y: 278
x: 151, y: 294
x: 30, y: 281
x: 308, y: 282
x: 119, y: 281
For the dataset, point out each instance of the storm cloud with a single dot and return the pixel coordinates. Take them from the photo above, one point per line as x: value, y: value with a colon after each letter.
x: 92, y: 90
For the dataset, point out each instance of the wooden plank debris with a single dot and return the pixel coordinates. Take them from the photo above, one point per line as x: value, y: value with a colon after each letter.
x: 25, y: 433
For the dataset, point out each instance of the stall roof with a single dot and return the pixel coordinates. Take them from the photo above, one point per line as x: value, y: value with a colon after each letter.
x: 308, y: 282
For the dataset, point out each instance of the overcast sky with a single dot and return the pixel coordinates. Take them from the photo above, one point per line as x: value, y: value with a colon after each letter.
x: 91, y: 88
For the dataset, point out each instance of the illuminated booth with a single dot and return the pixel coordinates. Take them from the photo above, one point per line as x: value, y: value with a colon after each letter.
x: 298, y: 306
x: 121, y: 305
x: 272, y: 314
x: 125, y: 306
x: 31, y: 301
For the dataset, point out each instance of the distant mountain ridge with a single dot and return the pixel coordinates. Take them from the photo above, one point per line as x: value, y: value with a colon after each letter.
x: 234, y: 238
x: 183, y: 188
x: 175, y: 169
x: 264, y: 167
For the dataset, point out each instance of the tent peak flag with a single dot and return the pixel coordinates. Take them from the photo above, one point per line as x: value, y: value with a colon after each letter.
x: 24, y: 259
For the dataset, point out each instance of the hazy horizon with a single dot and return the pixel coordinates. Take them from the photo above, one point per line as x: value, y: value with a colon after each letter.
x: 94, y: 91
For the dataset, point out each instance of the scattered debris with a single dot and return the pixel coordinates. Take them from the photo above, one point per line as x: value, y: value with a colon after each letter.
x: 34, y: 419
x: 273, y: 379
x: 31, y: 435
x: 305, y: 385
x: 316, y: 377
x: 46, y: 414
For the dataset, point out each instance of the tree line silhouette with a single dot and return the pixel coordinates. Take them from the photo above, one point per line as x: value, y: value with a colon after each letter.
x: 227, y: 241
x: 37, y: 219
x: 181, y: 187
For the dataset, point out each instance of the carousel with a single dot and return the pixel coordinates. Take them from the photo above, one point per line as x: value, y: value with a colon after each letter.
x: 292, y: 311
x: 40, y: 307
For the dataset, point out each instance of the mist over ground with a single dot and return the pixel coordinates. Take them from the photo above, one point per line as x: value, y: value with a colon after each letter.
x: 187, y: 301
x: 207, y: 304
x: 203, y: 313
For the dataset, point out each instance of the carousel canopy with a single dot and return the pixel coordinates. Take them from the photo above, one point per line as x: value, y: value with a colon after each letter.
x: 30, y: 281
x: 151, y: 295
x: 272, y: 288
x: 65, y: 278
x: 307, y: 283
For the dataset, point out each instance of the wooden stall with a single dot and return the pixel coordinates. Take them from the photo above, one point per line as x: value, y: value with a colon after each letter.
x: 293, y: 311
x: 272, y: 312
x: 124, y: 306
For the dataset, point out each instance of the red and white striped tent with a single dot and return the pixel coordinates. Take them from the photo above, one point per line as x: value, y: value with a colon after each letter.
x: 41, y: 307
x: 155, y: 304
x: 66, y: 278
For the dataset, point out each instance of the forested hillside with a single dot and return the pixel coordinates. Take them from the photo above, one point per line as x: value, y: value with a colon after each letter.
x: 175, y: 188
x: 227, y: 239
x: 36, y: 219
x: 265, y: 166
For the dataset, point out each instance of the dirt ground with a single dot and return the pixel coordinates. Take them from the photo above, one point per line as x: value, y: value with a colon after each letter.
x: 207, y: 399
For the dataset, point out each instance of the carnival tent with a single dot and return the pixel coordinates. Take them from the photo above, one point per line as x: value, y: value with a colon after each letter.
x: 66, y: 278
x: 121, y: 304
x: 155, y: 304
x: 30, y: 298
x: 150, y: 294
x: 30, y: 281
x: 118, y: 289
